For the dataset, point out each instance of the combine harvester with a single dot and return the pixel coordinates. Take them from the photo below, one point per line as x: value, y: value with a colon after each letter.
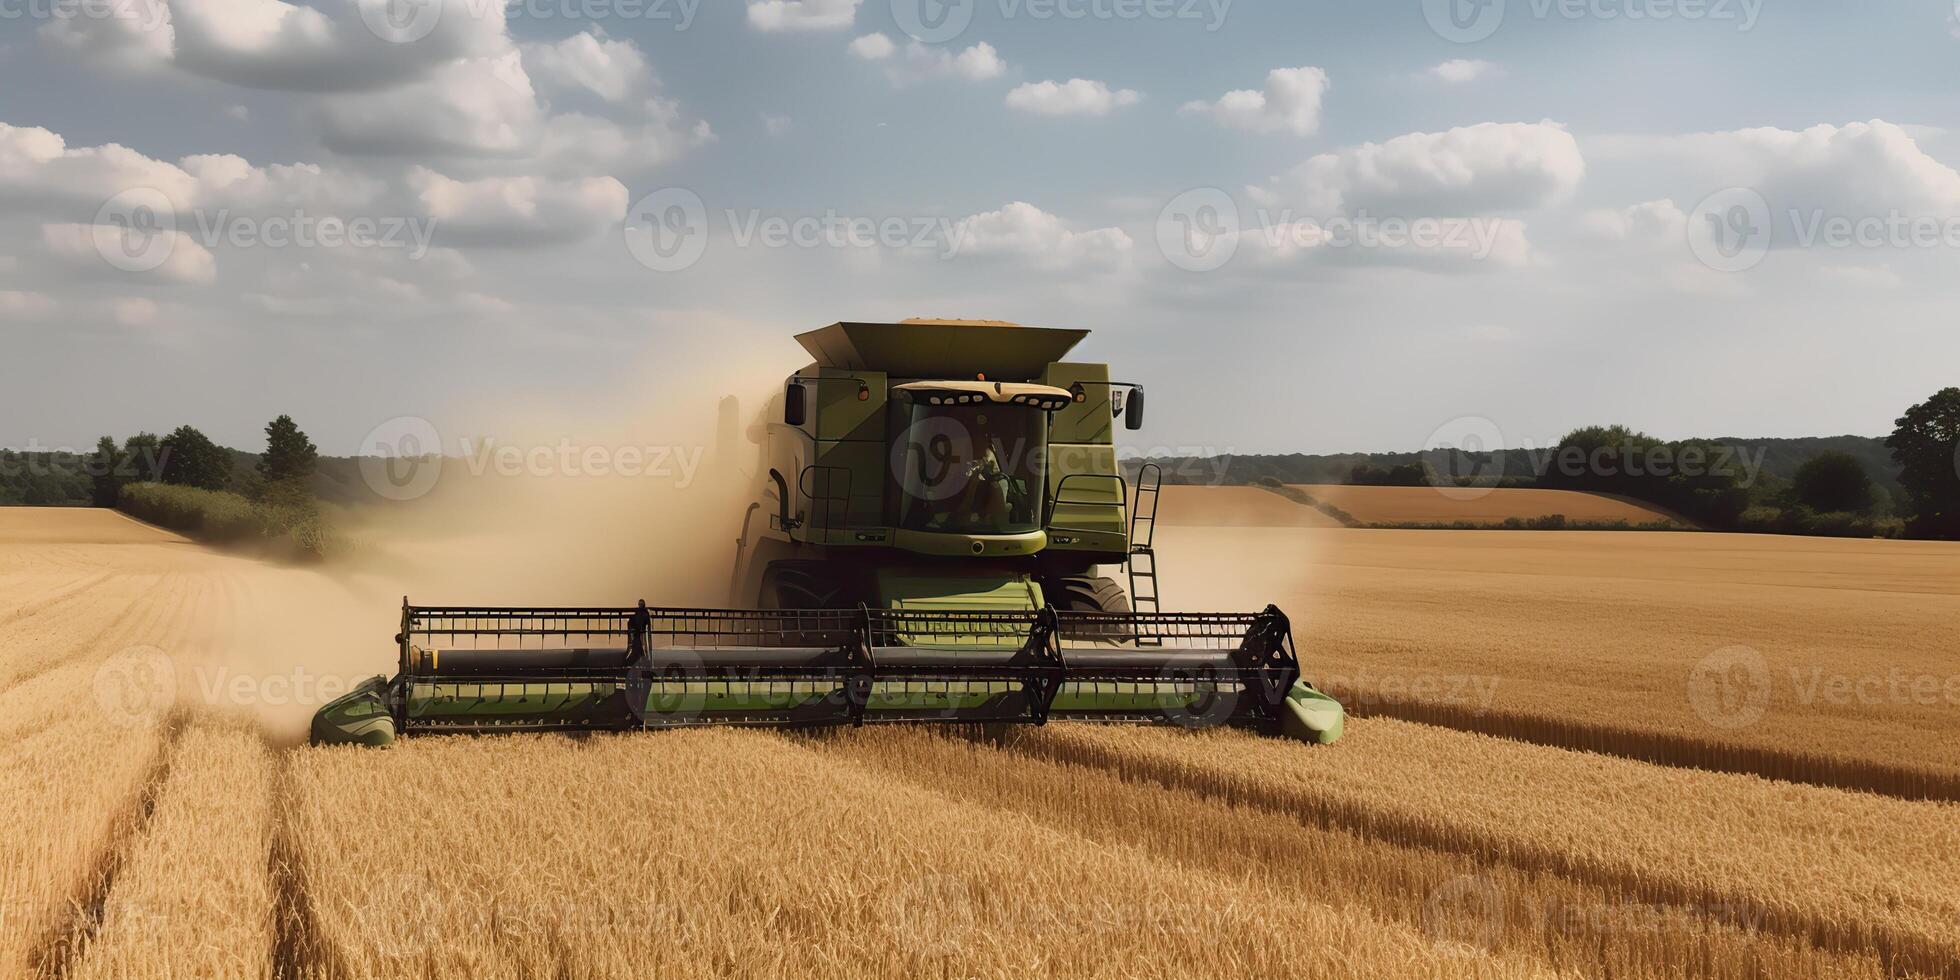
x: 940, y: 496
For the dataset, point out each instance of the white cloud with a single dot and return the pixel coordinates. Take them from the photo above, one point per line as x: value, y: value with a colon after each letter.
x: 613, y: 70
x: 1290, y: 103
x: 83, y: 247
x: 873, y: 47
x: 1650, y: 222
x: 1075, y: 97
x: 505, y: 211
x: 135, y: 311
x: 1460, y: 71
x: 920, y: 62
x: 1858, y: 169
x: 484, y: 115
x: 802, y: 15
x: 1466, y: 171
x: 471, y: 107
x: 1023, y: 231
x: 338, y: 46
x: 14, y: 302
x: 1433, y: 244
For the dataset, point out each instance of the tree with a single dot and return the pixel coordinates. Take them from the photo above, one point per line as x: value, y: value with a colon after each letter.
x: 191, y: 459
x: 105, y: 472
x: 142, y: 458
x: 1833, y: 482
x: 289, y: 456
x: 1926, y: 445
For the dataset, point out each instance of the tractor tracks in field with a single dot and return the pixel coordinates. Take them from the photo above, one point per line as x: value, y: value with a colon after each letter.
x: 1676, y: 751
x: 296, y: 951
x: 69, y: 939
x: 64, y: 593
x: 1489, y: 857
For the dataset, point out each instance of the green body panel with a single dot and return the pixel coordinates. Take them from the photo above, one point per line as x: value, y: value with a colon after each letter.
x: 958, y: 589
x: 359, y: 717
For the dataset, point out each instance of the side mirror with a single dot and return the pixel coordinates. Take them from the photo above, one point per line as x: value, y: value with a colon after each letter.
x: 1133, y: 410
x: 795, y: 405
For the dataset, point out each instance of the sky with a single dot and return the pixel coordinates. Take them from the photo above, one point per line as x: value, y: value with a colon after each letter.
x: 1305, y: 226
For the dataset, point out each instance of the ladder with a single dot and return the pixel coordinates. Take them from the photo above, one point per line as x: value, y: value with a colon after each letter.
x: 1143, y: 525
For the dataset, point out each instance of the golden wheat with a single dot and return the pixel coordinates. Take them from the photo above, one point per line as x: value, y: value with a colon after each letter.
x: 1597, y: 928
x: 1852, y: 872
x: 192, y: 897
x: 710, y: 853
x: 1816, y: 660
x: 1492, y: 505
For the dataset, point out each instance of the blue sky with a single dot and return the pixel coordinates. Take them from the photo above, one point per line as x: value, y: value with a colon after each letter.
x: 1578, y: 160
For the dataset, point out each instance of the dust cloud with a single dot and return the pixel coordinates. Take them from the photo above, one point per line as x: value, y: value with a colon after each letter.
x: 625, y: 496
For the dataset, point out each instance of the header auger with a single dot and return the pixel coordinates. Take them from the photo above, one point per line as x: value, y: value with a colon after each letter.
x: 940, y: 499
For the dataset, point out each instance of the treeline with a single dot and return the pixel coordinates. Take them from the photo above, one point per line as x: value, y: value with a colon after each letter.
x: 1906, y: 484
x: 188, y: 483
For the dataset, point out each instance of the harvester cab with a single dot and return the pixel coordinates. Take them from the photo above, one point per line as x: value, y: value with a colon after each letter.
x: 939, y: 504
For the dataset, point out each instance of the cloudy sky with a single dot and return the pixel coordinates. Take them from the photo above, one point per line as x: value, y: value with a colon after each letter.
x: 1312, y: 225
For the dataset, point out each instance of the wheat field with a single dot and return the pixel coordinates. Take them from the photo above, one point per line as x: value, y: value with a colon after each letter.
x: 1482, y: 505
x: 163, y: 822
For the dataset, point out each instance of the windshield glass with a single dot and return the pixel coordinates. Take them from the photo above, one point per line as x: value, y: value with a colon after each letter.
x: 971, y: 469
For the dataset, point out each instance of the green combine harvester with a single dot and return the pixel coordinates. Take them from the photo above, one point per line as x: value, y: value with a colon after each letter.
x: 940, y: 500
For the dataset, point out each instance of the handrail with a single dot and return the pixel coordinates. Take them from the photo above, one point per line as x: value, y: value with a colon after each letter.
x: 1055, y: 503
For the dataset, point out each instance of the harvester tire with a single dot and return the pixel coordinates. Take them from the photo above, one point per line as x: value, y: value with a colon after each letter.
x: 1089, y: 593
x: 799, y: 585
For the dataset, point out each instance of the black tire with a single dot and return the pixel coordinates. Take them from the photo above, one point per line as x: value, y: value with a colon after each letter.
x: 1088, y: 593
x: 1092, y: 594
x: 799, y: 585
